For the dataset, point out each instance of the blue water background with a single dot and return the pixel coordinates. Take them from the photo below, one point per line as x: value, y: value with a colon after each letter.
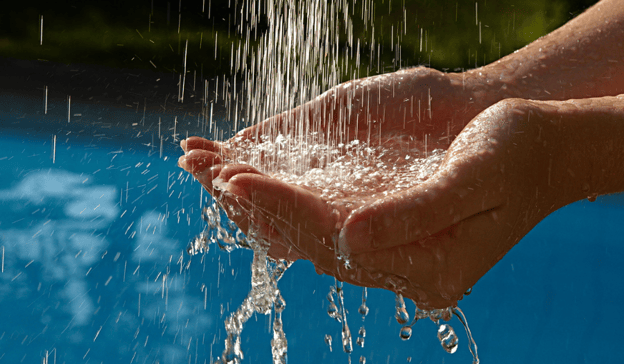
x: 95, y: 269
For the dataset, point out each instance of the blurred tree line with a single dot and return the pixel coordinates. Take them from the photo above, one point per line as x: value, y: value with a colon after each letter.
x: 152, y: 34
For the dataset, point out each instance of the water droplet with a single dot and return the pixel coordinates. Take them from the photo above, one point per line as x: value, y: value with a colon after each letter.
x: 401, y: 312
x: 362, y: 360
x: 360, y: 342
x: 347, y: 346
x: 468, y: 292
x: 448, y: 338
x: 401, y: 315
x: 406, y: 332
x: 362, y: 332
x: 328, y: 341
x: 332, y: 311
x: 363, y: 309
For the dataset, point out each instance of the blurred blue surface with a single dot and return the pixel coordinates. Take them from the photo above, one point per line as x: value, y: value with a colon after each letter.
x: 95, y: 269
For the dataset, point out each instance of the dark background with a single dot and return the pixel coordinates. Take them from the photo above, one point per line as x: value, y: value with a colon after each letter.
x: 151, y: 34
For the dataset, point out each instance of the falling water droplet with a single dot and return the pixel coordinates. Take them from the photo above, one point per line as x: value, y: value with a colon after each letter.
x: 362, y: 360
x: 332, y: 311
x: 448, y: 338
x: 363, y: 309
x: 406, y: 332
x: 328, y: 341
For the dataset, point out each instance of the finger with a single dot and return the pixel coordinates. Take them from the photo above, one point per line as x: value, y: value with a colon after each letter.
x: 231, y: 170
x: 198, y: 160
x: 195, y: 142
x: 300, y: 222
x: 294, y: 207
x: 450, y: 196
x: 291, y: 122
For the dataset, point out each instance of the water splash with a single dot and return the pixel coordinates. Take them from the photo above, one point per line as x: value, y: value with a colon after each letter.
x: 354, y: 173
x: 263, y: 298
x: 446, y: 334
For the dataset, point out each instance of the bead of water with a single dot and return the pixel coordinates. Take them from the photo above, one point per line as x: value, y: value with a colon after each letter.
x: 328, y: 341
x: 448, y: 338
x: 332, y: 311
x: 406, y: 332
x: 363, y: 309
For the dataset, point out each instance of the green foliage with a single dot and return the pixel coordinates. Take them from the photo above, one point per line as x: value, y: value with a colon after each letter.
x: 445, y: 34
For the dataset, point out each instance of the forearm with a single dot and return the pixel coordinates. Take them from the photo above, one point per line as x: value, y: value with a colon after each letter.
x: 584, y: 140
x: 584, y: 58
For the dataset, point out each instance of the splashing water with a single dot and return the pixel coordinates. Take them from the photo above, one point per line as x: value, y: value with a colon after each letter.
x: 263, y: 298
x: 446, y: 334
x: 297, y: 57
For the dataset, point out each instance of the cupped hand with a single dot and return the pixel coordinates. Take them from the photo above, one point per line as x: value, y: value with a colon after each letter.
x: 443, y: 235
x: 301, y: 224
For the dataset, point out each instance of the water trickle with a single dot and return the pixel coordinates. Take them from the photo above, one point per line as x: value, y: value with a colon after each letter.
x: 337, y: 311
x: 264, y: 296
x: 472, y: 345
x: 328, y: 341
x: 347, y: 344
x: 362, y: 310
x: 279, y: 345
x: 401, y: 312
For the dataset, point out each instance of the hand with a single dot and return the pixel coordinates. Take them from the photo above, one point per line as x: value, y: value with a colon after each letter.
x: 301, y: 224
x: 444, y: 234
x: 415, y: 102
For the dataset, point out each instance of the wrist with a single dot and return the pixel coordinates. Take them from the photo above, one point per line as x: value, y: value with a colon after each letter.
x: 585, y: 140
x: 483, y: 88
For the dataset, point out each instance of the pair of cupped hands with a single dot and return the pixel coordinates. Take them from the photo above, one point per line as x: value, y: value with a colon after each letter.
x: 430, y: 242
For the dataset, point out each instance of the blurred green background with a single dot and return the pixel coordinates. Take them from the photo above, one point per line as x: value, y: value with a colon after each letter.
x: 151, y: 34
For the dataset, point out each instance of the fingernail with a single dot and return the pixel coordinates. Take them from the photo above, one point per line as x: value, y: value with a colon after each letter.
x: 183, y: 145
x: 219, y: 184
x: 182, y: 162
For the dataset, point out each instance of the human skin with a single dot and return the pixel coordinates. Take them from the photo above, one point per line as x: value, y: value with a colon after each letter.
x: 511, y: 166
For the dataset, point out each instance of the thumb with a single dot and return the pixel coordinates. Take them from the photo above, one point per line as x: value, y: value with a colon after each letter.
x: 453, y: 194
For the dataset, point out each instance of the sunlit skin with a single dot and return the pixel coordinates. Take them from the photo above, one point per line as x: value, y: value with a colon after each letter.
x: 515, y: 153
